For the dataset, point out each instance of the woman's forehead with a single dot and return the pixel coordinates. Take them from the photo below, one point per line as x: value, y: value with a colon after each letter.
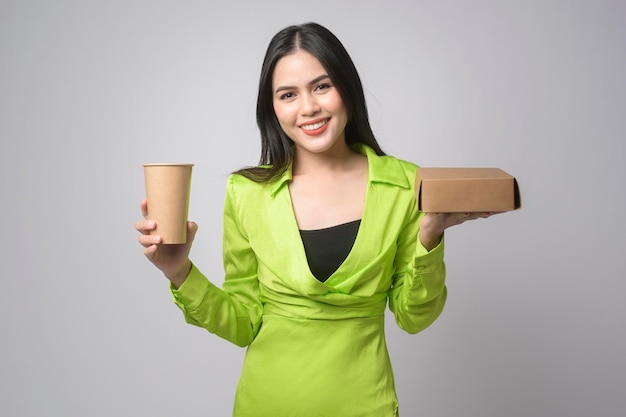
x: 297, y: 68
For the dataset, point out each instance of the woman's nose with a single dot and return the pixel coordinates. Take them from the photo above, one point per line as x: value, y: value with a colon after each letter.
x: 308, y: 104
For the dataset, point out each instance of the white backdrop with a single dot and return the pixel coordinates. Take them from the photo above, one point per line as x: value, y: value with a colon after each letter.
x: 534, y: 324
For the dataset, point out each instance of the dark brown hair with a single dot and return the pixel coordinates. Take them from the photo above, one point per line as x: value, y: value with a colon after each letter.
x: 276, y: 147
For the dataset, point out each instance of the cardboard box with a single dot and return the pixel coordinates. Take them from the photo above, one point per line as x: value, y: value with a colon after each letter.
x: 454, y: 190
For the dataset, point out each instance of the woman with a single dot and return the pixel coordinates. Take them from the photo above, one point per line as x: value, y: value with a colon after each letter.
x: 317, y: 238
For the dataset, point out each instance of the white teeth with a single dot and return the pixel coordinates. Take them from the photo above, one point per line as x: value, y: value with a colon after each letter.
x: 315, y: 125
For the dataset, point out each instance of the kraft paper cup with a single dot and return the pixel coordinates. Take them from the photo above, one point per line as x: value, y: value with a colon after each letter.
x: 168, y: 186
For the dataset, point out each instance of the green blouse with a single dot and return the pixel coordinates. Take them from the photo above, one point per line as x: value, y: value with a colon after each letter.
x: 318, y: 348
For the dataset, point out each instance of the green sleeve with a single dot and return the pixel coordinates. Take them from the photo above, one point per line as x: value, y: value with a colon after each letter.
x: 234, y: 311
x: 419, y: 292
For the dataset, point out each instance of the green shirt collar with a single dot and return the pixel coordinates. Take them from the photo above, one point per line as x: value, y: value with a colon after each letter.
x: 382, y: 169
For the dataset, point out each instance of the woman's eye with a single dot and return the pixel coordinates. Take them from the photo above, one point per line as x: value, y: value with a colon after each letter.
x: 322, y: 87
x: 286, y: 96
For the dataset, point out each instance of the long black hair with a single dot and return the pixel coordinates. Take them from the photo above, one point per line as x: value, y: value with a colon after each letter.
x: 276, y: 147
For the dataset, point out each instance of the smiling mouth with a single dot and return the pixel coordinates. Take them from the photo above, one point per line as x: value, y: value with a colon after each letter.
x: 314, y: 126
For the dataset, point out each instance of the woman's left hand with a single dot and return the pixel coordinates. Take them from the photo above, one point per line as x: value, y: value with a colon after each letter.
x: 433, y: 225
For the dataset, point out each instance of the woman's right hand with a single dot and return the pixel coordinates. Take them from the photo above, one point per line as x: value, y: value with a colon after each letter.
x: 433, y: 225
x: 172, y: 260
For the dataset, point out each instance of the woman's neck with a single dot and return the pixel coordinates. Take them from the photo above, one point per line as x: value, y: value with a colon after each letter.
x: 328, y: 163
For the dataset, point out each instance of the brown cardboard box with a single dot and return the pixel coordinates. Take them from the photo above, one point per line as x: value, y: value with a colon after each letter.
x: 453, y: 190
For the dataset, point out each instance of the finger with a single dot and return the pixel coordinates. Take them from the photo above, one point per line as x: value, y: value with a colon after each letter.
x: 192, y: 228
x: 460, y: 217
x: 493, y: 213
x: 148, y: 240
x: 151, y: 252
x: 145, y: 226
x: 472, y: 216
x: 454, y: 219
x: 483, y: 215
x: 144, y: 208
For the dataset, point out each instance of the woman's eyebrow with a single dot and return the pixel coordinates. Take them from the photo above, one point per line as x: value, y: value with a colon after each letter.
x: 313, y: 81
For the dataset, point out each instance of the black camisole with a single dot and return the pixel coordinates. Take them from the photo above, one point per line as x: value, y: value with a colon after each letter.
x: 326, y: 249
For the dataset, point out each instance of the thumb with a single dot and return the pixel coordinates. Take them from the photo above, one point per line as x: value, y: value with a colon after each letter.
x: 192, y: 228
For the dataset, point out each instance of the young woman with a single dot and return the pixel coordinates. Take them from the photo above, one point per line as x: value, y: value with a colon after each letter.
x: 317, y: 239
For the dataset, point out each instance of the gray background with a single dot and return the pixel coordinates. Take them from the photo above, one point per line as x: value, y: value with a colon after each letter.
x: 90, y: 90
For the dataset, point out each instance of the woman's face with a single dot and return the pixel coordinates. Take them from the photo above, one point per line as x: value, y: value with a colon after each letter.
x: 307, y: 104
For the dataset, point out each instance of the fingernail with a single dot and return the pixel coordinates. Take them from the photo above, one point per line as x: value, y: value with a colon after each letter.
x: 156, y: 239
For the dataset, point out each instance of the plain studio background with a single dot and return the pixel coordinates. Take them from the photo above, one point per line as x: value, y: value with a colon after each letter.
x: 89, y: 91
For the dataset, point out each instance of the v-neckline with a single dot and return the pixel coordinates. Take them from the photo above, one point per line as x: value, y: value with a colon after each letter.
x: 335, y: 278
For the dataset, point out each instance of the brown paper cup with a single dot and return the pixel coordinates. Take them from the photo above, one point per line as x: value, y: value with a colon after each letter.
x: 168, y: 187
